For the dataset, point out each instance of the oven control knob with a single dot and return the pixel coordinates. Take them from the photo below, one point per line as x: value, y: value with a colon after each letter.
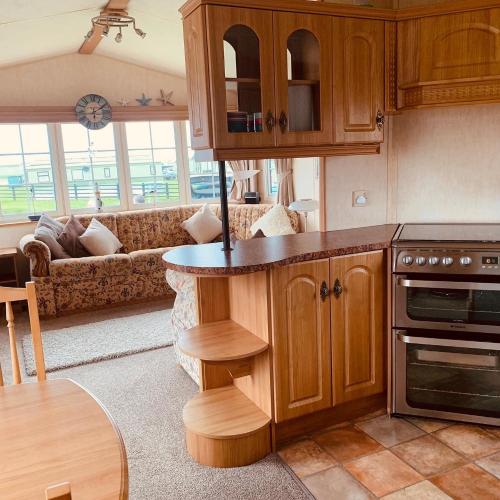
x: 420, y: 261
x: 433, y: 261
x: 465, y: 261
x: 408, y: 260
x: 447, y: 261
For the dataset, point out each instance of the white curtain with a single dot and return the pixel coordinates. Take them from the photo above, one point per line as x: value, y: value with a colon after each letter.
x: 285, y: 182
x: 244, y: 172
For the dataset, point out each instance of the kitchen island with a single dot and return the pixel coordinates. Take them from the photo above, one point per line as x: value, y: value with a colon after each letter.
x: 291, y: 337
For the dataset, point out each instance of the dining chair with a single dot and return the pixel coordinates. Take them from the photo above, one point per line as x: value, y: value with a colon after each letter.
x: 60, y: 491
x: 7, y: 296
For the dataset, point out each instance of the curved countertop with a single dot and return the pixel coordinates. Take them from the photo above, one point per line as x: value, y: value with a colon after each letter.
x: 259, y: 254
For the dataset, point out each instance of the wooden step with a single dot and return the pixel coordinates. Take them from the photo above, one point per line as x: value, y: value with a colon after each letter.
x: 220, y: 341
x: 225, y: 429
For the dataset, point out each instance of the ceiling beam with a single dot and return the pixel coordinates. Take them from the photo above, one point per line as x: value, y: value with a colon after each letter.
x: 89, y: 45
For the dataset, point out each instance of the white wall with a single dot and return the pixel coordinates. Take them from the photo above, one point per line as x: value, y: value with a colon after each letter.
x: 61, y: 81
x: 448, y: 164
x: 345, y: 174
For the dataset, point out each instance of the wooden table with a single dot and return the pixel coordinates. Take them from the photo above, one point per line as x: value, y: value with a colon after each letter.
x: 55, y: 432
x: 9, y: 275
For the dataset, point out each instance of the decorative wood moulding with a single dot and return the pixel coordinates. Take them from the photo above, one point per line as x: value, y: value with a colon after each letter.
x: 284, y: 152
x: 332, y: 9
x: 65, y: 114
x: 433, y: 94
x: 391, y: 71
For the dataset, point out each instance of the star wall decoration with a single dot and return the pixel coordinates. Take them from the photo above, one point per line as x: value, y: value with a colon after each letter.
x: 123, y: 102
x: 144, y: 101
x: 165, y: 98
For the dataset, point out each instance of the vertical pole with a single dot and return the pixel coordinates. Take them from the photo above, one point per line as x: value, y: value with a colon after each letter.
x: 226, y: 242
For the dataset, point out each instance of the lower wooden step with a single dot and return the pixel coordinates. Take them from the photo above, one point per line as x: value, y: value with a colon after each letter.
x: 225, y: 429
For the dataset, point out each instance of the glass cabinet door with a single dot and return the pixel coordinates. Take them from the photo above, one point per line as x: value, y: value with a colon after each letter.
x: 304, y: 79
x: 241, y: 53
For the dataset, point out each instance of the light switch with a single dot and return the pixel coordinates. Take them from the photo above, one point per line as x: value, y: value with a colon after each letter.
x: 359, y: 198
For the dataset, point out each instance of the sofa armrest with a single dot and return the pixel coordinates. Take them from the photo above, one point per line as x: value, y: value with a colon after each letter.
x: 38, y: 254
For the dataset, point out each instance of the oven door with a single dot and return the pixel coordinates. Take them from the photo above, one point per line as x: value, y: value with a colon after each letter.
x: 447, y: 305
x: 446, y: 378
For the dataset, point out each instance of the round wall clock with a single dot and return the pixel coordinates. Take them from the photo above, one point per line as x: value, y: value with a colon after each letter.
x: 93, y: 111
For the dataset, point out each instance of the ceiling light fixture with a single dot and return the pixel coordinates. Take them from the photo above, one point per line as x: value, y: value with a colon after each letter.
x: 118, y: 19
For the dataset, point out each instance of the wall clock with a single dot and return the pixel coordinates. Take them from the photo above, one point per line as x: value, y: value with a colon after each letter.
x: 93, y: 111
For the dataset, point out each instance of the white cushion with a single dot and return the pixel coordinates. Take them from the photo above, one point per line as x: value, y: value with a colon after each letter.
x: 204, y: 226
x: 99, y: 240
x: 274, y: 223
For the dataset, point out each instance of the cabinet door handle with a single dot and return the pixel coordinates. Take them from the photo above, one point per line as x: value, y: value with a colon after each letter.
x: 380, y: 119
x: 270, y: 121
x: 283, y: 121
x: 337, y: 289
x: 324, y: 291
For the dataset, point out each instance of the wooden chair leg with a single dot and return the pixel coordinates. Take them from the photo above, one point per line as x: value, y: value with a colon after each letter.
x: 60, y: 491
x: 16, y: 372
x: 1, y: 376
x: 35, y: 332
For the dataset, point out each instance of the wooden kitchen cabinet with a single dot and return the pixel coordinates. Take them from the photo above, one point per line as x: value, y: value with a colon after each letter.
x: 301, y: 339
x: 453, y: 58
x: 357, y: 318
x: 302, y: 52
x: 358, y: 67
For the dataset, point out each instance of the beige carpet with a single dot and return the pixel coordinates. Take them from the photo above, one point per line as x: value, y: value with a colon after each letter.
x: 145, y: 394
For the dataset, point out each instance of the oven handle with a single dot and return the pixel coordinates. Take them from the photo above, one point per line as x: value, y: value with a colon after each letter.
x: 408, y: 339
x: 448, y: 285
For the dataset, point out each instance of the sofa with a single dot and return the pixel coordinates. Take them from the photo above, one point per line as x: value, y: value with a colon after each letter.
x: 137, y: 272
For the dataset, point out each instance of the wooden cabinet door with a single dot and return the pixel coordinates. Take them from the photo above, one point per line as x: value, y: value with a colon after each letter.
x: 302, y: 47
x: 301, y: 339
x: 358, y: 326
x: 240, y: 47
x: 359, y: 80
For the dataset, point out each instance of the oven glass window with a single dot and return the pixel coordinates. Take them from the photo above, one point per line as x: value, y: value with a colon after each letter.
x: 480, y: 307
x: 453, y: 379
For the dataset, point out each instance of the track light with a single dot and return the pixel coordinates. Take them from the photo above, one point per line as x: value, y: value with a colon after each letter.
x: 115, y: 19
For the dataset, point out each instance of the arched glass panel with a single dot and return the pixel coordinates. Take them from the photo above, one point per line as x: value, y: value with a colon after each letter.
x: 303, y: 82
x: 242, y: 77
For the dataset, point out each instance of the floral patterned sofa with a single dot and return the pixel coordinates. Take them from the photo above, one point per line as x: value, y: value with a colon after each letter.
x: 135, y: 274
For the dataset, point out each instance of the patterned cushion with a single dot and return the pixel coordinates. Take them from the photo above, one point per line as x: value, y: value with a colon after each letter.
x: 90, y: 268
x: 146, y: 261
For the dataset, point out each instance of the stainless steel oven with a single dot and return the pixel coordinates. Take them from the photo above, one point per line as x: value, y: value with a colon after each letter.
x: 436, y: 375
x: 450, y: 303
x: 446, y: 322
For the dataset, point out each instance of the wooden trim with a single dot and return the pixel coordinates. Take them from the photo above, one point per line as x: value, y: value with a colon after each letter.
x: 286, y: 152
x: 296, y: 6
x: 65, y: 114
x: 391, y: 84
x: 333, y: 9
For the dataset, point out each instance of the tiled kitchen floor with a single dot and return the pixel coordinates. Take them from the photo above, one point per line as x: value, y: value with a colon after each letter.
x: 396, y: 459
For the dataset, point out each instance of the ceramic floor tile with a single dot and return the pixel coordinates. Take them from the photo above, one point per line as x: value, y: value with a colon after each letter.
x: 428, y: 424
x: 424, y: 490
x: 347, y: 443
x: 372, y: 415
x: 468, y: 483
x: 493, y: 430
x: 390, y: 431
x: 306, y: 457
x: 335, y: 483
x: 472, y: 441
x: 491, y: 464
x: 382, y: 473
x: 428, y: 456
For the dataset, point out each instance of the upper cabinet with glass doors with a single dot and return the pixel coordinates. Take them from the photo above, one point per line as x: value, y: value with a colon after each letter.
x: 261, y: 83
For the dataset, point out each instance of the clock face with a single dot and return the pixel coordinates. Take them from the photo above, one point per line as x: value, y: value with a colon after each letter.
x: 93, y: 111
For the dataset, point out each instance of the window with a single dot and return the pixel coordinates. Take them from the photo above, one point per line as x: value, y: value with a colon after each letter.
x: 26, y: 178
x: 204, y: 175
x: 152, y: 160
x: 87, y: 153
x: 272, y: 178
x: 57, y: 168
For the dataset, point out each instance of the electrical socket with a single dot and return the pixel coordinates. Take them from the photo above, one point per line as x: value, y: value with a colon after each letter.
x: 359, y: 198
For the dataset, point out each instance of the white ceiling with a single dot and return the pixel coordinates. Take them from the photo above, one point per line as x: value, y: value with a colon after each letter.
x: 37, y: 29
